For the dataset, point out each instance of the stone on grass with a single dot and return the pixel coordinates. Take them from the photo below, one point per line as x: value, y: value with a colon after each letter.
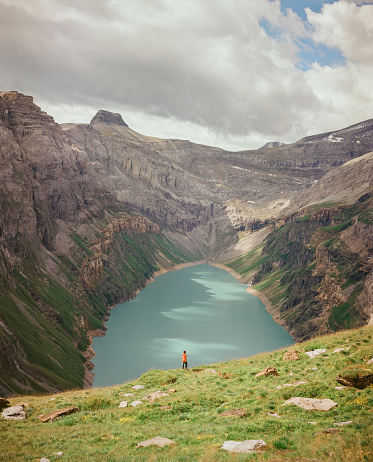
x: 126, y: 395
x: 136, y: 403
x: 14, y: 413
x: 338, y: 350
x: 172, y: 390
x: 234, y: 413
x: 370, y: 361
x: 358, y: 376
x: 210, y: 371
x: 3, y: 403
x: 58, y: 413
x: 312, y: 423
x: 341, y: 388
x: 123, y: 404
x: 294, y: 384
x: 341, y: 424
x: 314, y: 353
x: 44, y: 459
x: 243, y: 447
x: 266, y: 372
x: 275, y: 415
x: 157, y: 441
x: 138, y: 387
x: 291, y: 355
x: 329, y: 431
x: 311, y: 404
x: 156, y: 395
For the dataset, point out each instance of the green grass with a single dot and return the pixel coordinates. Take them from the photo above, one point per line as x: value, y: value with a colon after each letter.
x: 101, y: 431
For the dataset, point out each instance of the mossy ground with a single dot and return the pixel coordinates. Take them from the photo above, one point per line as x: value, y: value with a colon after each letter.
x: 101, y: 431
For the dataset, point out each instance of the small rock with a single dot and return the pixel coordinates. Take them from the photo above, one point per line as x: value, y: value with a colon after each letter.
x: 341, y: 424
x: 123, y: 404
x: 126, y: 395
x: 290, y: 373
x: 294, y: 384
x: 58, y: 413
x: 138, y: 387
x: 314, y: 353
x: 136, y: 403
x: 156, y: 395
x: 338, y: 350
x: 370, y: 361
x: 312, y: 423
x: 275, y: 415
x: 330, y: 431
x: 44, y: 459
x: 341, y: 388
x: 243, y: 447
x: 157, y: 441
x: 234, y: 413
x: 3, y: 403
x: 172, y: 390
x: 166, y: 408
x: 314, y: 368
x: 210, y: 371
x: 266, y: 372
x: 311, y: 404
x: 291, y: 355
x: 14, y: 413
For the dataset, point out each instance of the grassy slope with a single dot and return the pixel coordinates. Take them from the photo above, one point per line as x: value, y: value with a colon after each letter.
x: 48, y: 336
x: 101, y: 431
x: 286, y: 269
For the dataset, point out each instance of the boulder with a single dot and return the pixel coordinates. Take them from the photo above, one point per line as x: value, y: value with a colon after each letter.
x: 136, y: 403
x: 234, y: 413
x: 157, y: 441
x: 3, y: 403
x: 243, y: 447
x: 311, y: 404
x: 291, y: 355
x: 314, y: 353
x: 138, y: 387
x: 14, y: 413
x: 123, y: 404
x: 58, y: 413
x: 357, y: 376
x: 266, y: 372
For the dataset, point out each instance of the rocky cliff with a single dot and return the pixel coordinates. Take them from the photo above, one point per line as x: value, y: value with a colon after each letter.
x: 90, y: 211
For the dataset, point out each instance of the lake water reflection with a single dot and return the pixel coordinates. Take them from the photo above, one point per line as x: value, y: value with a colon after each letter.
x: 201, y: 309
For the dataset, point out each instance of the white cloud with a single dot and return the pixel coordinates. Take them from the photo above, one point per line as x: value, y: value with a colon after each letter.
x: 214, y: 71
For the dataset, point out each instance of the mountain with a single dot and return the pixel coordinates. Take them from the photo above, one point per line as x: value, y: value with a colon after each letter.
x: 89, y: 212
x: 272, y: 144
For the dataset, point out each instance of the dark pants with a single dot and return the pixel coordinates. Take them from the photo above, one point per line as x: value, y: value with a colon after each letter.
x: 184, y: 366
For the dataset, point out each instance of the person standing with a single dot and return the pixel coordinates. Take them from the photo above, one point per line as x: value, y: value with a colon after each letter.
x: 184, y: 360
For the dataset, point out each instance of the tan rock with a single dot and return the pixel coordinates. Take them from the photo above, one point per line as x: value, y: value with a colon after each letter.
x: 156, y: 395
x: 266, y: 372
x: 291, y: 355
x: 58, y: 413
x: 311, y: 404
x: 294, y: 384
x: 157, y: 441
x: 243, y: 447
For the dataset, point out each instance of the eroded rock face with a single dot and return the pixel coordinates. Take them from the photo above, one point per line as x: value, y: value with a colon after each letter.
x: 356, y: 376
x: 110, y: 118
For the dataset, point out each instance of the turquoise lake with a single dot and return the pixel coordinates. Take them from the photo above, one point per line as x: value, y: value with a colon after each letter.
x: 201, y: 309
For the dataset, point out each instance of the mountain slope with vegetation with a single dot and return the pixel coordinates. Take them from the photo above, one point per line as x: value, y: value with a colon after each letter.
x: 193, y: 408
x: 315, y: 266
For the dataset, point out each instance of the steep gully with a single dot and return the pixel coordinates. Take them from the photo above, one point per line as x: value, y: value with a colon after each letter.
x: 90, y: 212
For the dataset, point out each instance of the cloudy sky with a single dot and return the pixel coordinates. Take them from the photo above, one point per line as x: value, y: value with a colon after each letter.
x: 228, y: 73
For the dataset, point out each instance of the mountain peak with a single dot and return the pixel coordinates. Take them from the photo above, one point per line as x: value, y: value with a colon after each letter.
x: 110, y: 118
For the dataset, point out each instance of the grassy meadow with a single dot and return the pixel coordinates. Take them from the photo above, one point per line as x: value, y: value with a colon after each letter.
x: 191, y: 415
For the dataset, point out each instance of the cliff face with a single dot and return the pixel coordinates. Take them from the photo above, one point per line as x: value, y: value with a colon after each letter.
x: 90, y: 211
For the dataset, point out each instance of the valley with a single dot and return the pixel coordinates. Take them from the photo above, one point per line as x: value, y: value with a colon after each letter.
x: 90, y: 212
